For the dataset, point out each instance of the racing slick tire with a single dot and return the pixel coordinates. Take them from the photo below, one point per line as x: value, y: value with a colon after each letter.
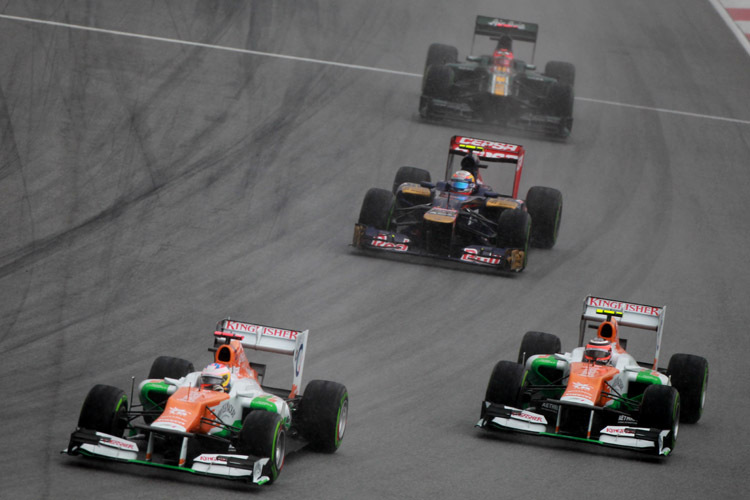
x: 689, y: 376
x: 410, y: 174
x: 162, y: 367
x: 660, y: 409
x: 545, y: 207
x: 514, y: 229
x: 324, y: 410
x: 105, y: 409
x: 439, y: 54
x: 534, y: 343
x: 563, y: 72
x: 560, y: 104
x: 437, y: 82
x: 263, y: 434
x: 505, y: 384
x: 376, y: 208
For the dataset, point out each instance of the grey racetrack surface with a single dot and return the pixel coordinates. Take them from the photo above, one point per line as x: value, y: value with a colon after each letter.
x: 149, y: 188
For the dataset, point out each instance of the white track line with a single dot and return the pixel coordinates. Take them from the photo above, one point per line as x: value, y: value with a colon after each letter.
x: 327, y: 63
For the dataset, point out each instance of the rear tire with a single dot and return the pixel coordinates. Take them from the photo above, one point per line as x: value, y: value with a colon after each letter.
x: 410, y: 174
x: 324, y: 411
x: 105, y: 409
x: 534, y: 343
x: 376, y: 208
x: 263, y: 435
x: 439, y: 54
x: 504, y: 387
x: 660, y: 409
x: 689, y: 376
x: 545, y: 207
x: 164, y: 367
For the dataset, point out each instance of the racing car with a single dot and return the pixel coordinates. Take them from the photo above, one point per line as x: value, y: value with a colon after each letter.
x: 461, y: 219
x: 598, y: 393
x: 499, y: 88
x: 221, y: 421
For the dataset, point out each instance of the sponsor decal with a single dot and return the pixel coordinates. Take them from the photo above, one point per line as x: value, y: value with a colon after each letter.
x: 581, y: 386
x: 177, y: 411
x: 500, y: 23
x: 120, y: 443
x: 263, y: 330
x: 500, y: 146
x: 620, y: 431
x: 529, y: 417
x: 625, y: 306
x: 380, y: 241
x: 472, y: 255
x: 211, y: 458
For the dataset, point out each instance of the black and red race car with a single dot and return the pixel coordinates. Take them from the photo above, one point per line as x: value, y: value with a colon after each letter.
x: 480, y: 227
x: 499, y: 88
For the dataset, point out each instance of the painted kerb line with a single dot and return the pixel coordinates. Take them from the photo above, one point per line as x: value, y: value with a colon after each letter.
x: 328, y: 63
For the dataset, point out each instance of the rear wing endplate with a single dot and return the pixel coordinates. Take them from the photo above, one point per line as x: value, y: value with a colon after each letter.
x: 269, y: 339
x: 486, y: 150
x: 634, y: 315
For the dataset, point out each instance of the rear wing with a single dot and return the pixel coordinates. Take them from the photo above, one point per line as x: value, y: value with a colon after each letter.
x: 495, y: 27
x: 491, y: 151
x: 269, y: 339
x: 646, y: 317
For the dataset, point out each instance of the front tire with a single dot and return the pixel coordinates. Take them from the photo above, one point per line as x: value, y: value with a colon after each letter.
x: 324, y: 411
x: 514, y: 229
x: 689, y: 376
x: 376, y: 208
x: 263, y: 435
x: 105, y: 409
x: 660, y: 409
x: 504, y: 387
x: 563, y: 72
x: 545, y: 207
x: 439, y: 54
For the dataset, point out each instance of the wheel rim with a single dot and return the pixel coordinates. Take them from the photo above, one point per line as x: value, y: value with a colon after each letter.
x: 280, y: 450
x: 341, y: 424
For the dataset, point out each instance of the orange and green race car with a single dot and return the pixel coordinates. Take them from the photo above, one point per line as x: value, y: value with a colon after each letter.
x: 598, y: 393
x: 221, y: 421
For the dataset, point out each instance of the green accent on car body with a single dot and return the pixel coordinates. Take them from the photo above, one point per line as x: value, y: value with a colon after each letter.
x: 226, y: 432
x: 263, y: 403
x: 646, y: 377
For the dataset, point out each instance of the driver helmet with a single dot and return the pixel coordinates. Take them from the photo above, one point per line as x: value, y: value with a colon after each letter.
x: 463, y: 182
x: 216, y: 376
x: 598, y: 351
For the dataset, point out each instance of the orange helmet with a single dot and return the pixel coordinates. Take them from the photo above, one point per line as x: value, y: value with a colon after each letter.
x: 463, y: 182
x: 598, y: 351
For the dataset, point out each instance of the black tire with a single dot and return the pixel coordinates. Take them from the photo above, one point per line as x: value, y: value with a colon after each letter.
x: 560, y: 100
x: 534, y: 343
x: 105, y: 409
x: 376, y: 208
x: 439, y: 54
x: 410, y: 174
x: 660, y: 409
x: 563, y: 72
x: 438, y: 81
x: 545, y: 208
x: 689, y: 376
x: 162, y: 367
x: 167, y: 366
x: 514, y: 229
x: 263, y: 434
x: 324, y: 410
x: 505, y: 384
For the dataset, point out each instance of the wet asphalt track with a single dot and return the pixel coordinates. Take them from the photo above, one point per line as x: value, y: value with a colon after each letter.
x: 148, y: 189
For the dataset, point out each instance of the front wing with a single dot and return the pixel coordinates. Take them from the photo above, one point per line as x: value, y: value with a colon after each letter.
x: 503, y: 259
x: 94, y: 444
x: 498, y: 417
x: 525, y: 118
